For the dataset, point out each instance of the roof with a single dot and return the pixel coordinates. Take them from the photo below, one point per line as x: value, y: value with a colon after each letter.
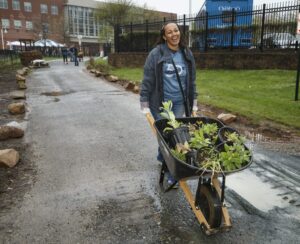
x: 85, y: 3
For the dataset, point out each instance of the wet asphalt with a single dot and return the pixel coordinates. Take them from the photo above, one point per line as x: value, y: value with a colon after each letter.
x: 97, y: 175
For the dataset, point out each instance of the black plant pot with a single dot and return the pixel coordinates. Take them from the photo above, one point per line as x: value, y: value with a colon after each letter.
x: 222, y: 135
x: 191, y: 158
x: 179, y: 135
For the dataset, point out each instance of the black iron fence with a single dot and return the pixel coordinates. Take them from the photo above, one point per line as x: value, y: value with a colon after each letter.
x: 261, y: 28
x: 9, y: 56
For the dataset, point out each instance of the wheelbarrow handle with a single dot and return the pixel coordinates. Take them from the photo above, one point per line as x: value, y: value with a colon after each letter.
x: 151, y: 121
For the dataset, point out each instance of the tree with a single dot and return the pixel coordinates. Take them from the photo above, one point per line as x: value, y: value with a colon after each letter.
x: 114, y: 12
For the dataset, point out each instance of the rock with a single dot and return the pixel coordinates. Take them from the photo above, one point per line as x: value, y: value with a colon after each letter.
x: 21, y: 72
x: 92, y: 71
x: 226, y: 118
x: 136, y: 89
x: 18, y: 95
x: 7, y: 132
x: 112, y: 78
x: 98, y: 73
x: 16, y: 108
x: 9, y: 157
x: 20, y: 78
x: 21, y: 84
x: 129, y: 86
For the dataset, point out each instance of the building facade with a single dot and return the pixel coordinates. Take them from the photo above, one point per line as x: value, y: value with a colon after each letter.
x: 31, y: 20
x: 81, y: 25
x: 71, y: 22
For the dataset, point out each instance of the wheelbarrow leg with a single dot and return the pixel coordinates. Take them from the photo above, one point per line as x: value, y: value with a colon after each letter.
x: 163, y: 171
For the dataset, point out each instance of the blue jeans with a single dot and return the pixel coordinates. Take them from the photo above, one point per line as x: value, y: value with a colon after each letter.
x: 179, y: 112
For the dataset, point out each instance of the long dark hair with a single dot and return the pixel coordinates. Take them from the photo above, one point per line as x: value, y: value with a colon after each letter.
x: 161, y: 40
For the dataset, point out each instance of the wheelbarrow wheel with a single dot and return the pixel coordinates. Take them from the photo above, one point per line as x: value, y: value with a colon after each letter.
x: 210, y: 205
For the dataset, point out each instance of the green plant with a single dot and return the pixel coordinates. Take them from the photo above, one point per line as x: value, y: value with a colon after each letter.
x: 234, y: 156
x: 169, y: 115
x: 234, y: 137
x: 181, y: 150
x: 198, y: 139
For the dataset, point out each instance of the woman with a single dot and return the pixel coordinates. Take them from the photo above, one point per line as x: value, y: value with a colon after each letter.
x: 161, y: 82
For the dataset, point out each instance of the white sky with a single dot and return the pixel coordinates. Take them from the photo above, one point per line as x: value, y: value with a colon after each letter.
x: 182, y: 6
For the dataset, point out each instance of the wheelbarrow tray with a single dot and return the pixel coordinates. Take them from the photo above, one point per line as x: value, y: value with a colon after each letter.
x: 178, y: 168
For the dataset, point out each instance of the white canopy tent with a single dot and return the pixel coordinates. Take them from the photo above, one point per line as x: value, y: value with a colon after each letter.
x: 14, y: 43
x: 47, y: 43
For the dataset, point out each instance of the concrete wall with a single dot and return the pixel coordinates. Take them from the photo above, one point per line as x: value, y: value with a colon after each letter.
x: 220, y: 60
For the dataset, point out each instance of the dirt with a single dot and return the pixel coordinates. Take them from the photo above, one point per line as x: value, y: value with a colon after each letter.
x: 16, y: 181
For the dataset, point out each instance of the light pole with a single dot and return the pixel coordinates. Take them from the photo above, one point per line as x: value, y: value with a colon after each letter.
x: 3, y: 29
x: 79, y: 41
x: 190, y: 23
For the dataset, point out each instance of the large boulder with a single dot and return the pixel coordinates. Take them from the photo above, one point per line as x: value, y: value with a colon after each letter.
x: 9, y: 157
x: 7, y: 132
x: 16, y: 108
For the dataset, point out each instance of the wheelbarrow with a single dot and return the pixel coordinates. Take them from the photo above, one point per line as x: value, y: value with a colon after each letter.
x: 207, y: 202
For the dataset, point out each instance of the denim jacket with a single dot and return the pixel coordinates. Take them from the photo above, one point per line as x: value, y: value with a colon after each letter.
x: 151, y: 92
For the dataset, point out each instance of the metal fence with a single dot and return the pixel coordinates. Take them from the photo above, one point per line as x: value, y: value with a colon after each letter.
x: 9, y: 56
x: 261, y: 28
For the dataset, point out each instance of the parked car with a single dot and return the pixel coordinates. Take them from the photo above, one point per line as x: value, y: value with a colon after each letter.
x: 279, y: 40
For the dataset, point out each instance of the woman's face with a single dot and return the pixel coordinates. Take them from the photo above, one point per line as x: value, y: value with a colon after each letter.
x: 172, y: 36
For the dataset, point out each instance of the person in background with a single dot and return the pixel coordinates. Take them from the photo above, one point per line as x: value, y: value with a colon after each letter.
x: 64, y: 53
x: 168, y: 65
x: 76, y: 56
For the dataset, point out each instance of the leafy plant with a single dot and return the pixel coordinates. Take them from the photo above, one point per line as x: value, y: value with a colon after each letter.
x: 234, y: 156
x: 181, y: 150
x: 169, y: 115
x: 198, y: 140
x: 234, y: 137
x: 211, y: 131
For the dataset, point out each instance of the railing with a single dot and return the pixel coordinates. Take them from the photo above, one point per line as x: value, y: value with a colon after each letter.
x: 9, y: 56
x: 261, y: 28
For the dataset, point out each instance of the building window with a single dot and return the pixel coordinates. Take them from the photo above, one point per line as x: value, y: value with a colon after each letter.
x: 44, y: 9
x: 17, y: 24
x: 3, y: 4
x: 16, y: 5
x: 27, y: 7
x: 54, y: 10
x: 29, y: 25
x: 5, y: 23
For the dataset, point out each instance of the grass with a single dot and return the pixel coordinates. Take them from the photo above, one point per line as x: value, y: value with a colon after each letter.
x: 257, y: 94
x: 133, y: 74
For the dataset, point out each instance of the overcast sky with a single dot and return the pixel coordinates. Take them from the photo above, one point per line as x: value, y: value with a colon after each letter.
x: 182, y: 6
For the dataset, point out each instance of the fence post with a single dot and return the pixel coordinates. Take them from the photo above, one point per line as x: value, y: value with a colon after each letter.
x: 297, y: 77
x: 147, y: 37
x: 262, y: 28
x: 131, y: 37
x: 184, y: 24
x: 117, y: 49
x: 232, y: 29
x: 206, y: 32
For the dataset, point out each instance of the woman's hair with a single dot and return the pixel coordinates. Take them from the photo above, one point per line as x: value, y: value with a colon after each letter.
x: 161, y: 39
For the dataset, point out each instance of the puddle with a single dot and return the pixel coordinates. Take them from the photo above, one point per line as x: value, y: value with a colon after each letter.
x: 55, y: 93
x: 258, y: 193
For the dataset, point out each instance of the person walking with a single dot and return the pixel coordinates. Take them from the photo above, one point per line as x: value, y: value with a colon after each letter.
x: 76, y: 56
x: 64, y: 53
x: 169, y: 74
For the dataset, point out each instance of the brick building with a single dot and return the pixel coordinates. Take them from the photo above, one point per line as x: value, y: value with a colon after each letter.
x: 65, y: 21
x: 32, y: 20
